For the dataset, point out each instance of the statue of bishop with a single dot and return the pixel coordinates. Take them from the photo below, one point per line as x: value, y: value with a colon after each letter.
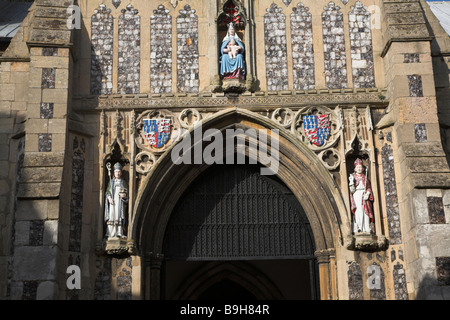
x: 116, y: 203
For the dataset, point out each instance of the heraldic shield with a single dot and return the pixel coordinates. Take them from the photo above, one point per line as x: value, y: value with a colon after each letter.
x: 317, y: 128
x: 157, y: 131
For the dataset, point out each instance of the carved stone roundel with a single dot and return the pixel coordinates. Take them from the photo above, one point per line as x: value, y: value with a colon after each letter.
x: 189, y: 118
x: 328, y: 134
x: 283, y: 116
x: 156, y: 130
x: 144, y: 162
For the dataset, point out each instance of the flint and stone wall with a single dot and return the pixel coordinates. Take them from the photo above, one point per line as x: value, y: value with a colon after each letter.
x: 51, y: 186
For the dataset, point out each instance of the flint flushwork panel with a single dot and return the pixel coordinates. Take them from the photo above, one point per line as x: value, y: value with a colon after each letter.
x: 102, y: 285
x: 46, y: 110
x: 161, y: 51
x: 102, y: 39
x: 334, y: 47
x: 276, y: 49
x: 376, y: 278
x: 76, y: 201
x: 436, y: 210
x: 129, y: 51
x: 390, y: 188
x: 45, y: 142
x: 401, y: 291
x: 48, y: 78
x: 411, y: 58
x: 355, y: 282
x: 124, y: 279
x: 361, y: 47
x: 415, y: 86
x: 420, y: 132
x: 443, y: 270
x: 187, y: 52
x: 302, y: 48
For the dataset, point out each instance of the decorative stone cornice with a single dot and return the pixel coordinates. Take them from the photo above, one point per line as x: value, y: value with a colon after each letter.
x: 374, y: 96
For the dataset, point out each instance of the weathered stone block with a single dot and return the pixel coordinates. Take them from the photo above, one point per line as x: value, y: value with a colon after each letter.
x: 32, y: 210
x: 34, y: 159
x: 35, y: 263
x: 46, y: 290
x: 50, y: 232
x: 39, y: 190
x: 45, y: 174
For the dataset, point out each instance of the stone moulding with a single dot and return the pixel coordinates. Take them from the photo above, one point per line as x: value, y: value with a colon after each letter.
x: 214, y: 100
x: 366, y: 242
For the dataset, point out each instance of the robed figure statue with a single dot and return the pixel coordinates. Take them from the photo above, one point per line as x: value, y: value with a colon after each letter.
x: 116, y: 203
x: 361, y: 199
x: 232, y: 55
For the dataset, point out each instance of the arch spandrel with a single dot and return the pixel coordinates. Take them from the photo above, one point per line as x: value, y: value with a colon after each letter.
x: 299, y: 169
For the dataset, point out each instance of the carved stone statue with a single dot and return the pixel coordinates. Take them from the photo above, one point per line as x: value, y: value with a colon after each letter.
x: 232, y: 49
x: 361, y: 199
x: 116, y: 203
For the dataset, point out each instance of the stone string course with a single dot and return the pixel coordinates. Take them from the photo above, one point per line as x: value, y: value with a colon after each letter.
x: 334, y: 47
x: 276, y: 49
x: 129, y: 51
x: 102, y: 39
x: 302, y: 48
x: 161, y: 51
x: 361, y: 47
x: 187, y: 51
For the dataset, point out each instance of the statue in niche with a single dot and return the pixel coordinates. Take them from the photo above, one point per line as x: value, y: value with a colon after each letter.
x: 116, y: 202
x: 361, y: 199
x: 232, y: 58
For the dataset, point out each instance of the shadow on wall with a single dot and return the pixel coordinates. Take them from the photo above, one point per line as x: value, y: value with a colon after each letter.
x: 431, y: 289
x: 442, y: 84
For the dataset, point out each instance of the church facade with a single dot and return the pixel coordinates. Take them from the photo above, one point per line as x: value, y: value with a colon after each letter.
x: 137, y: 136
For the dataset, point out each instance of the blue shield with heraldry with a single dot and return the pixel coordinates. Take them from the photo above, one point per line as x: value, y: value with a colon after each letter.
x: 317, y: 128
x: 157, y: 131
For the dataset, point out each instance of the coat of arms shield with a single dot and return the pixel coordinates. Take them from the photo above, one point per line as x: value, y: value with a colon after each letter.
x: 157, y: 131
x: 317, y: 128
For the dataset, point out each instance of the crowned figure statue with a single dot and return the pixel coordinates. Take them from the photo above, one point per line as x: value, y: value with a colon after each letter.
x: 361, y: 199
x: 232, y: 55
x: 116, y: 203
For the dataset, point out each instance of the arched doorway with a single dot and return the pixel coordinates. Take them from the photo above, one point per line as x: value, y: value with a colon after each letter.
x: 236, y: 217
x: 299, y: 169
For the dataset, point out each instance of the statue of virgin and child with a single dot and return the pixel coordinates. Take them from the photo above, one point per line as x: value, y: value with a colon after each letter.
x: 232, y: 56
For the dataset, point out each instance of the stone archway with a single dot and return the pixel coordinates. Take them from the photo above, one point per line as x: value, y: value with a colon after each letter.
x: 300, y: 171
x: 255, y: 283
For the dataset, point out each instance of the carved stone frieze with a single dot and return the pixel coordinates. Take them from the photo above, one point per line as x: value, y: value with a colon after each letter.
x: 288, y: 99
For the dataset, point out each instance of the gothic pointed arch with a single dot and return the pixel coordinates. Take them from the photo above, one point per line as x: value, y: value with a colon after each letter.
x: 299, y: 169
x: 247, y: 276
